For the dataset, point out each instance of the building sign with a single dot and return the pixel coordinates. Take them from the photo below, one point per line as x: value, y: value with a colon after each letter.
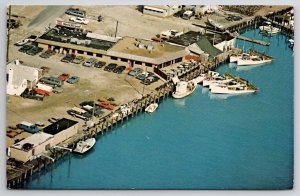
x: 67, y: 24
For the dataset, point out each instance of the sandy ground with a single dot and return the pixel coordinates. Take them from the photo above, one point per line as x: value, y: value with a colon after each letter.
x: 94, y: 82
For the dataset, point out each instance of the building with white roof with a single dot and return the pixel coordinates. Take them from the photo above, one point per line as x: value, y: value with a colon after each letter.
x: 161, y: 10
x: 19, y: 77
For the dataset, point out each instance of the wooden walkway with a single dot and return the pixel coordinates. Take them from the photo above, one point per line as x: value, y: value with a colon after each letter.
x: 254, y: 40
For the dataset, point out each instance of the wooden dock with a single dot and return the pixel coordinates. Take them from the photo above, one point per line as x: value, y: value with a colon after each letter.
x: 254, y: 40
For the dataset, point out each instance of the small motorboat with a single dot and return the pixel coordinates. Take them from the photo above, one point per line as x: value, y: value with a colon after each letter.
x: 85, y: 145
x: 151, y: 108
x: 269, y: 29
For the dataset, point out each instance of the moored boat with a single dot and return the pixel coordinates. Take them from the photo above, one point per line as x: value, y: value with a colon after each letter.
x: 269, y: 29
x: 151, y: 108
x: 84, y: 146
x: 252, y: 61
x: 232, y: 89
x: 184, y: 89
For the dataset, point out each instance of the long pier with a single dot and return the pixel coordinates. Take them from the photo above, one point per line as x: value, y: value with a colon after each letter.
x: 254, y: 40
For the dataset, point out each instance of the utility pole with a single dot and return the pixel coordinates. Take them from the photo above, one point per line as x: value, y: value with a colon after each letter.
x: 116, y: 29
x: 8, y: 29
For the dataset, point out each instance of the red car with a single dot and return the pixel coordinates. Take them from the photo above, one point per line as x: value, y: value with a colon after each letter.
x: 64, y: 76
x: 106, y: 105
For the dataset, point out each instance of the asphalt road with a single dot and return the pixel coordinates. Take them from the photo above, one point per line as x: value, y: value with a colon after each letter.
x: 47, y: 17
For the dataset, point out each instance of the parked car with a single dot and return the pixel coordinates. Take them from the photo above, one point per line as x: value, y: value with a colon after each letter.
x: 68, y: 58
x: 76, y: 12
x: 150, y: 80
x: 12, y: 23
x: 99, y: 18
x: 52, y: 81
x: 119, y: 69
x: 47, y: 54
x: 28, y: 127
x: 32, y: 38
x: 57, y: 90
x: 73, y: 79
x: 78, y: 59
x: 100, y: 64
x: 93, y: 110
x: 110, y: 67
x: 106, y: 105
x: 54, y: 119
x: 22, y: 42
x: 79, y: 113
x: 90, y: 62
x: 64, y: 76
x: 142, y: 76
x: 135, y: 71
x: 25, y: 48
x: 79, y: 20
x: 31, y: 94
x: 233, y: 18
x: 34, y: 50
x: 39, y: 124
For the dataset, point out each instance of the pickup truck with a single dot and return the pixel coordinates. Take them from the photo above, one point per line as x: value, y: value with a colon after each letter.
x: 31, y: 94
x: 79, y: 20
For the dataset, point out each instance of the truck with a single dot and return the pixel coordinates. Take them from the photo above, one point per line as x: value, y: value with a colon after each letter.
x: 79, y: 113
x: 187, y: 15
x: 31, y: 94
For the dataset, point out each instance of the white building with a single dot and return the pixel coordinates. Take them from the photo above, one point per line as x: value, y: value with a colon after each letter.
x: 38, y: 143
x: 206, y: 9
x: 161, y: 10
x: 19, y: 77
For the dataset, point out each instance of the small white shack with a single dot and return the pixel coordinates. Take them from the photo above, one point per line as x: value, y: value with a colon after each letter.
x: 19, y: 77
x: 161, y: 10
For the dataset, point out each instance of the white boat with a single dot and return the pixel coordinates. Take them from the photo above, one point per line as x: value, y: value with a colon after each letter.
x: 184, y: 89
x: 209, y: 80
x: 85, y: 145
x: 269, y: 29
x: 229, y: 81
x: 231, y: 89
x: 215, y: 24
x: 235, y: 58
x: 252, y: 61
x: 151, y: 108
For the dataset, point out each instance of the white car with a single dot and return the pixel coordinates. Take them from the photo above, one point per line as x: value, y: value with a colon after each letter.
x: 79, y: 20
x: 22, y: 42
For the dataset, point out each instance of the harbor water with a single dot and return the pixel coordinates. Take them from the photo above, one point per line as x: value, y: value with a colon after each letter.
x: 203, y: 141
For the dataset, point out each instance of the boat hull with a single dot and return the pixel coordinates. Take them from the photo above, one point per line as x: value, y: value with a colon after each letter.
x: 241, y: 62
x: 84, y: 146
x: 182, y: 95
x: 151, y: 108
x: 219, y: 90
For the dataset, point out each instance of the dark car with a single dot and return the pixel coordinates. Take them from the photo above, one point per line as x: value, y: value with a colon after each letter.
x: 25, y: 48
x: 47, y: 54
x: 34, y: 50
x: 233, y: 18
x: 119, y: 69
x: 110, y: 67
x: 68, y: 58
x: 100, y: 64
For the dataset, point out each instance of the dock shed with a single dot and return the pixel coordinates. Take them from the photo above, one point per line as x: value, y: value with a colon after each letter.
x: 38, y: 143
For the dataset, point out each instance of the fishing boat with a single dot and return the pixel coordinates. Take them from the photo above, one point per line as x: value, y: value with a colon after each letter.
x: 85, y: 145
x: 232, y: 89
x: 235, y: 58
x: 269, y: 29
x: 210, y: 79
x: 229, y: 81
x: 252, y: 60
x: 184, y: 89
x: 215, y: 24
x: 151, y: 108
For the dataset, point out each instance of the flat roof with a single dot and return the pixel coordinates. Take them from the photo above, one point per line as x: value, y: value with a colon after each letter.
x: 191, y: 37
x: 35, y: 139
x: 59, y: 126
x: 137, y: 49
x: 68, y: 37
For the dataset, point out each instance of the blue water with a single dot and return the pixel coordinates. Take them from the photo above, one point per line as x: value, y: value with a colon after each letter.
x: 200, y: 142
